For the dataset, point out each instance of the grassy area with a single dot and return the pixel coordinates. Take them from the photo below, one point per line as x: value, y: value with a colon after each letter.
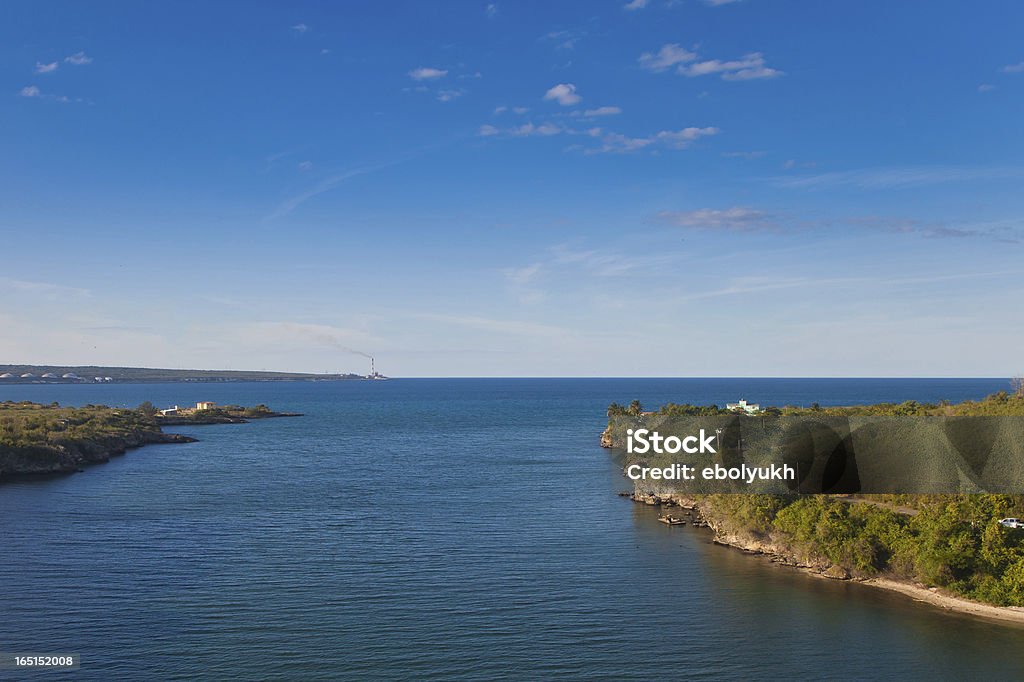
x: 27, y: 424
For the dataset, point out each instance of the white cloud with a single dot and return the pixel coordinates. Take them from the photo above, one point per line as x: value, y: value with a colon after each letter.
x: 30, y: 91
x: 635, y: 4
x: 1014, y: 68
x: 563, y: 93
x: 491, y: 10
x: 668, y: 56
x: 46, y: 68
x: 673, y: 139
x: 610, y: 141
x: 306, y: 166
x: 529, y: 129
x: 426, y: 73
x: 300, y: 28
x: 78, y: 59
x: 718, y: 3
x: 449, y: 95
x: 603, y: 111
x: 520, y: 110
x: 750, y: 67
x: 986, y: 87
x: 735, y: 219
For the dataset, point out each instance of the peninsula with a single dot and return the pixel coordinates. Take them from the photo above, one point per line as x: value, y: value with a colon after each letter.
x: 963, y: 552
x: 38, y: 439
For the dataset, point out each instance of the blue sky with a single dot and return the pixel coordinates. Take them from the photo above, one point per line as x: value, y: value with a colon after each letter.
x: 661, y: 188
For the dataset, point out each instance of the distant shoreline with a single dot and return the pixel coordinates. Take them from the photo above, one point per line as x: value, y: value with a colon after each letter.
x: 20, y: 375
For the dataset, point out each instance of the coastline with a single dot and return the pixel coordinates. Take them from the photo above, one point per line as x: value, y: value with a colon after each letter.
x: 42, y: 441
x: 780, y: 555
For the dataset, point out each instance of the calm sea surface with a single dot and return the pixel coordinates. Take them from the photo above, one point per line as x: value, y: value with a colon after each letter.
x: 435, y: 528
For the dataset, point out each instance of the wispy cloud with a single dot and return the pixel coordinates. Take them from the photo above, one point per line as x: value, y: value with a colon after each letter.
x: 751, y: 66
x: 491, y: 10
x: 45, y: 289
x: 325, y: 185
x: 46, y: 68
x: 986, y: 87
x: 672, y: 139
x: 563, y: 93
x: 609, y: 142
x: 565, y: 39
x: 897, y: 178
x: 635, y: 5
x: 1014, y: 68
x: 449, y: 95
x: 734, y: 219
x: 665, y: 58
x: 599, y: 111
x: 427, y: 73
x: 718, y: 3
x: 1007, y: 232
x: 78, y: 59
x: 33, y: 91
x: 300, y: 28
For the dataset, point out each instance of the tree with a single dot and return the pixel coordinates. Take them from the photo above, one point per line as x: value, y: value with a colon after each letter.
x: 635, y: 408
x: 1018, y: 386
x: 147, y: 408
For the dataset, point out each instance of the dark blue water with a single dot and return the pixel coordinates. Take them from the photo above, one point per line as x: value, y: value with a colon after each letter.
x: 435, y: 528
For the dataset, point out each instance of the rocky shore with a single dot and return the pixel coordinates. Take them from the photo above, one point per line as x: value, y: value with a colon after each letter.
x: 70, y: 456
x: 700, y: 514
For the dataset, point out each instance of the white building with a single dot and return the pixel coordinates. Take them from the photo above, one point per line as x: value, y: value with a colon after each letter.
x: 749, y: 408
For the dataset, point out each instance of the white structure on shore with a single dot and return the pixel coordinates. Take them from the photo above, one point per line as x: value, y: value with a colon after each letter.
x: 749, y: 408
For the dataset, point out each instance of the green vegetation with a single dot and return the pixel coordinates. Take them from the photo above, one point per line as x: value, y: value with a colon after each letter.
x: 27, y: 424
x: 1001, y: 404
x: 953, y: 541
x: 48, y: 439
x: 221, y: 414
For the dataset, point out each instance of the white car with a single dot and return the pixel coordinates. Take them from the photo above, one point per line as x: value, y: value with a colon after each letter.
x: 1011, y: 523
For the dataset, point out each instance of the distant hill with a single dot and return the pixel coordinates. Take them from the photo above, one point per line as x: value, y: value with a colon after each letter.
x: 94, y: 374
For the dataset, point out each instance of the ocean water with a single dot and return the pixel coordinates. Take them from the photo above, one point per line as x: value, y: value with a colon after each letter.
x: 433, y: 528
